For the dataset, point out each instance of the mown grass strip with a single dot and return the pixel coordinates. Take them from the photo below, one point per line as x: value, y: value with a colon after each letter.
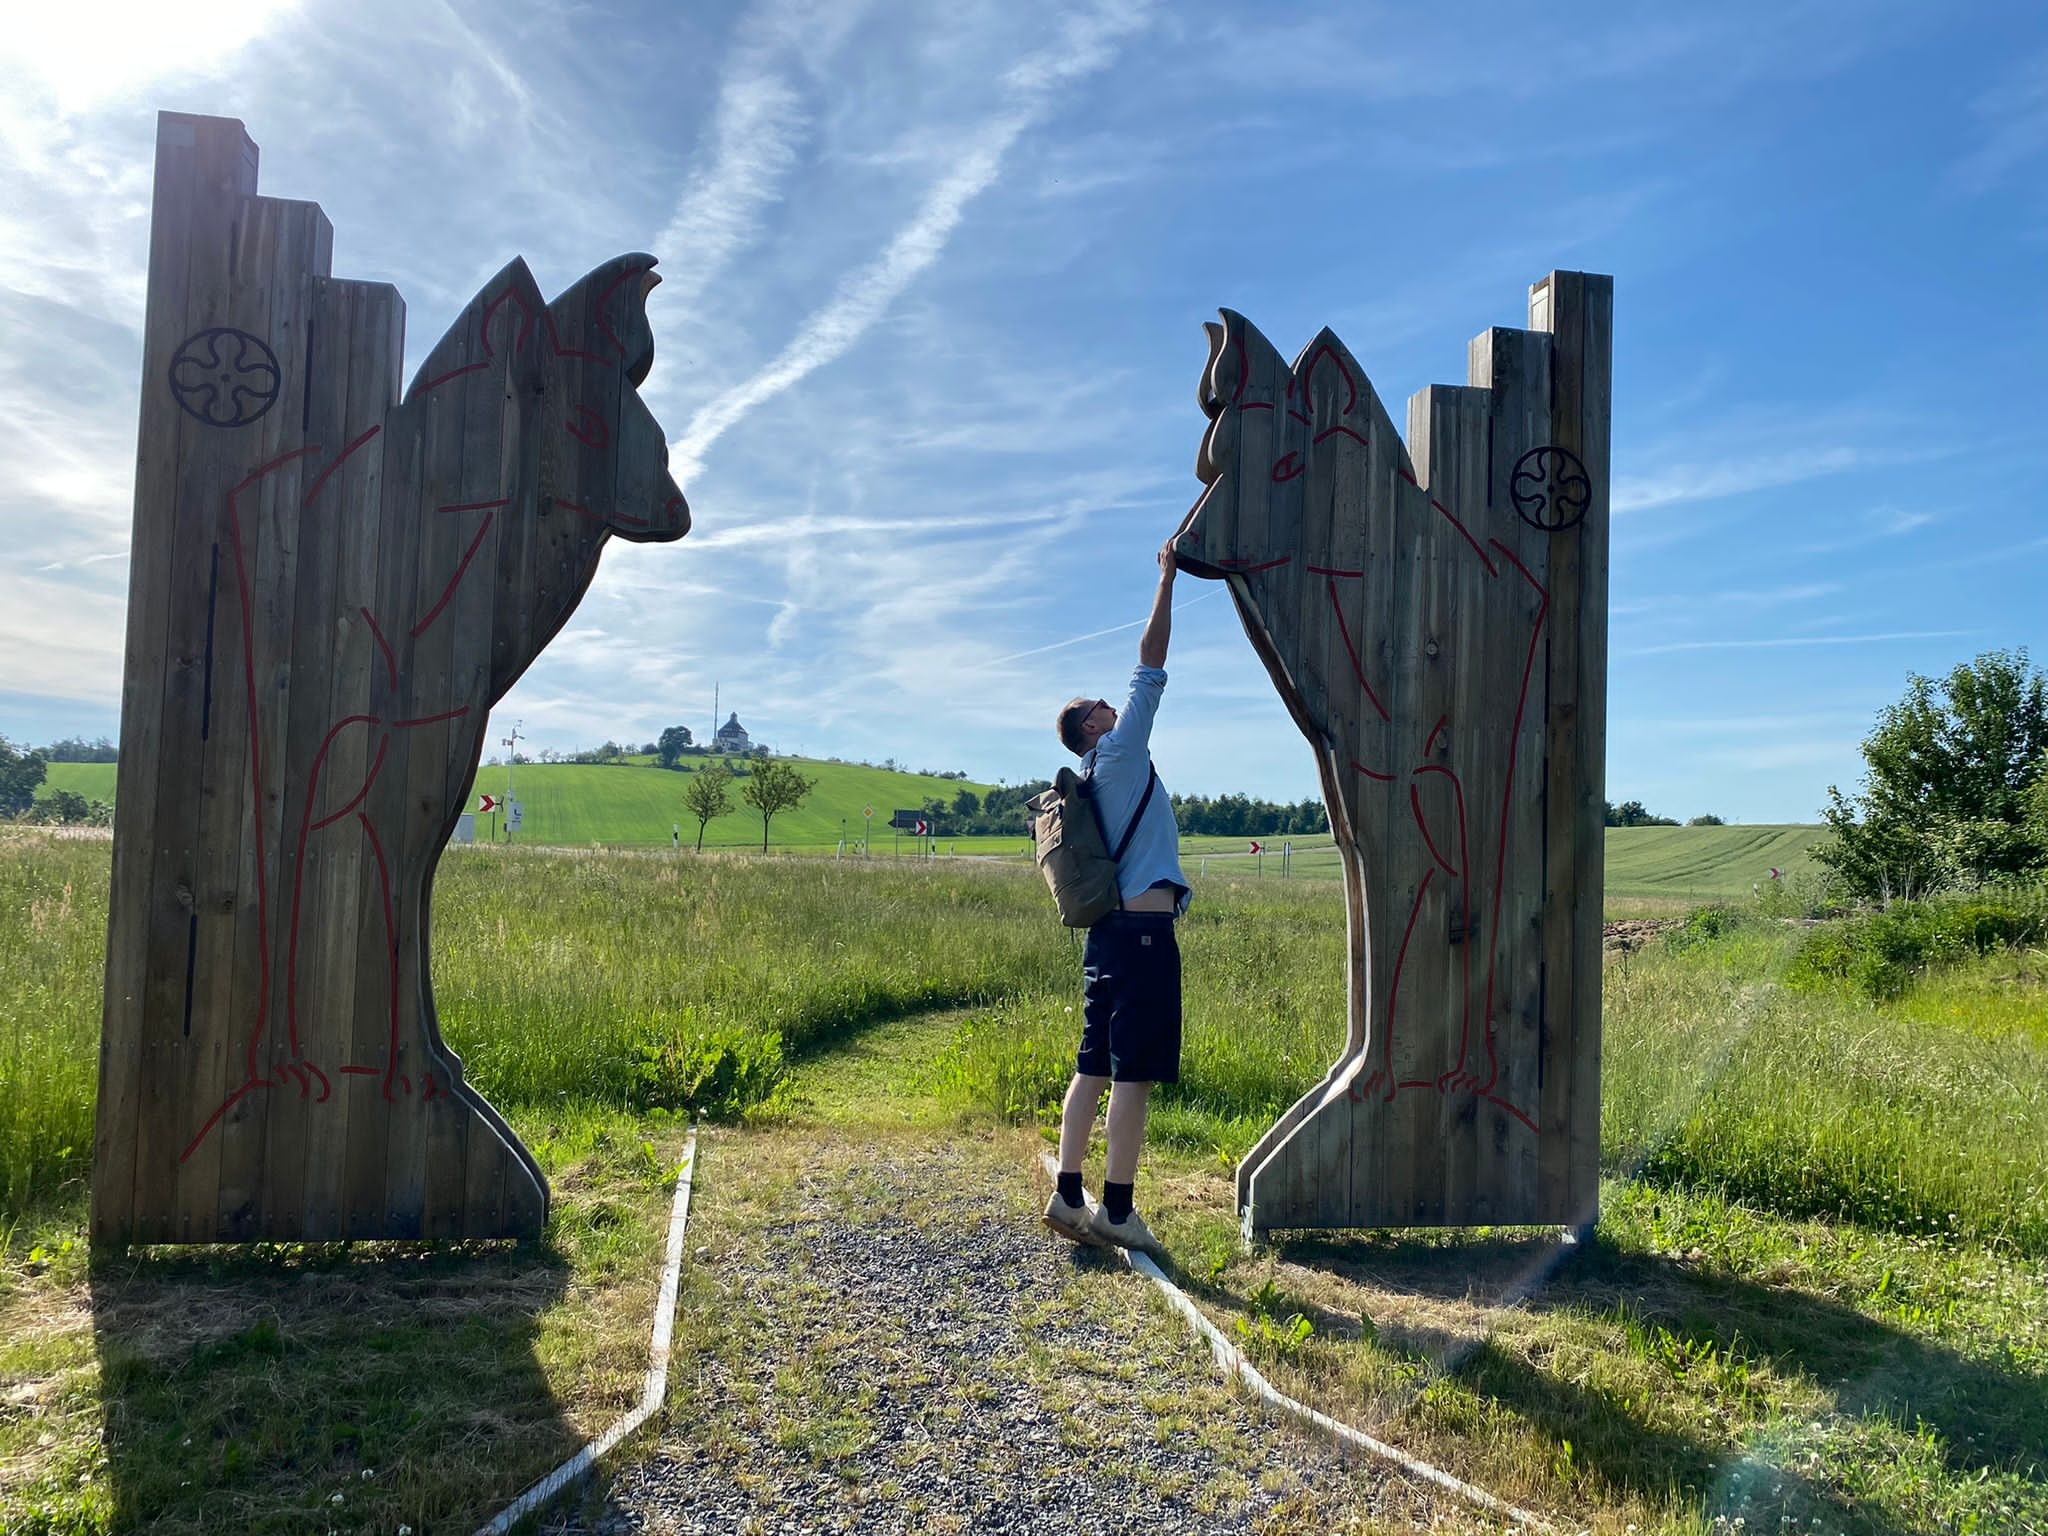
x: 592, y: 1452
x: 1231, y: 1363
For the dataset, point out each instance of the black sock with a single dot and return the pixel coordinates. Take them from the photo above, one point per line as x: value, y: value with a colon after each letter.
x: 1116, y: 1200
x: 1070, y: 1189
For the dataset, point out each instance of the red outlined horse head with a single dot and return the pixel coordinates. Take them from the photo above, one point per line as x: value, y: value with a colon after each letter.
x: 1280, y: 436
x: 575, y: 366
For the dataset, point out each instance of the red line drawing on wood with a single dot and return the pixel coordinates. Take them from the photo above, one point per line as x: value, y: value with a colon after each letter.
x: 1326, y: 385
x: 448, y: 592
x: 588, y: 428
x: 320, y: 480
x: 383, y: 645
x: 304, y: 782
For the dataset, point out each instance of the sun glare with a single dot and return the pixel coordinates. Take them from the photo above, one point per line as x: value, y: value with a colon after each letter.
x: 84, y: 55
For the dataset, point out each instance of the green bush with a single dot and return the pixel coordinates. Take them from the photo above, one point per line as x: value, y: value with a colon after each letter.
x: 718, y: 1071
x: 1880, y: 953
x: 1705, y: 925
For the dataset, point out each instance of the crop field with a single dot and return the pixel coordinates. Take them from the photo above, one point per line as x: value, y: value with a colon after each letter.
x: 1844, y: 1198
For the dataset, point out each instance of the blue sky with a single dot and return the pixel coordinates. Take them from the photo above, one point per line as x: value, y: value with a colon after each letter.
x: 928, y: 343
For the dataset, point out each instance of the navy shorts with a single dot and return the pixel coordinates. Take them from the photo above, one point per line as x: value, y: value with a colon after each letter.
x: 1130, y: 1025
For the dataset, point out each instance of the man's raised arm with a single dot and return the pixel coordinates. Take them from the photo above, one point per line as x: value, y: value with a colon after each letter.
x: 1159, y: 628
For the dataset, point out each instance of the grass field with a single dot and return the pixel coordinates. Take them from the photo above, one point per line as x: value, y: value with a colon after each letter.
x: 577, y: 805
x: 1824, y: 1231
x: 95, y: 781
x: 634, y: 805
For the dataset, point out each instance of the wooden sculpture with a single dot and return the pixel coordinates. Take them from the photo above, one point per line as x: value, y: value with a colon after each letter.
x: 329, y: 587
x: 1437, y: 627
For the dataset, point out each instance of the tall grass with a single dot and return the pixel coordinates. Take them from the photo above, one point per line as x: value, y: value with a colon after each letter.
x: 556, y: 975
x: 1817, y: 1103
x: 53, y: 931
x: 552, y: 973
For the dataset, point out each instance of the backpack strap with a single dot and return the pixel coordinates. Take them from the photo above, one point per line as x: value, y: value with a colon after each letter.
x: 1151, y: 783
x: 1131, y: 831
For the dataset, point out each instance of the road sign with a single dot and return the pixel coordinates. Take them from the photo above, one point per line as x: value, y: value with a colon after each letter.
x: 868, y: 811
x: 924, y: 828
x: 512, y: 812
x: 903, y: 821
x: 1256, y: 848
x: 485, y: 804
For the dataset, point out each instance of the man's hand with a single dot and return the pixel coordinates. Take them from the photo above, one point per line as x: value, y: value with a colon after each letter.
x: 1169, y: 562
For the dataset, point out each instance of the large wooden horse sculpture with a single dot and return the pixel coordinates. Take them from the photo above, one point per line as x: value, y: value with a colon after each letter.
x: 1437, y: 628
x: 330, y: 586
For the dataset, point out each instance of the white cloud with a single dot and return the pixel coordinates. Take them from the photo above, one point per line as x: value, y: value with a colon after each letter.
x: 2014, y: 119
x: 81, y: 56
x: 59, y: 641
x: 1782, y: 642
x: 1678, y: 604
x: 757, y: 129
x: 862, y: 298
x: 1712, y: 480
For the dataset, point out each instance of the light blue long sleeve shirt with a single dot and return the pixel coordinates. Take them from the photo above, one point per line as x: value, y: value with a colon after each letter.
x: 1120, y: 764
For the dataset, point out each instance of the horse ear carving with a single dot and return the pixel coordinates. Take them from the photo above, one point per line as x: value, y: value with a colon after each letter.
x: 603, y: 315
x: 499, y: 323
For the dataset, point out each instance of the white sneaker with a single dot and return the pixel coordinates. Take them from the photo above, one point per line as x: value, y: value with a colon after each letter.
x: 1131, y: 1232
x: 1073, y: 1222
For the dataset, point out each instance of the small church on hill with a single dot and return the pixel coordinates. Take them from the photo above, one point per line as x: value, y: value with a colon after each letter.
x: 731, y: 737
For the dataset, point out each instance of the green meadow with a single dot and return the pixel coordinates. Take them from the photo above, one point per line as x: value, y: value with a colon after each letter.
x: 1820, y: 1259
x: 636, y: 806
x: 565, y: 977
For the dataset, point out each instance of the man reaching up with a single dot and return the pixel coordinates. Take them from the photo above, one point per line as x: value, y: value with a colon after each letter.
x: 1130, y: 1031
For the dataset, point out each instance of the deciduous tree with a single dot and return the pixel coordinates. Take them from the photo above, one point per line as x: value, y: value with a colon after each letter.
x: 21, y: 775
x: 674, y: 742
x: 708, y: 796
x: 775, y: 786
x: 1951, y: 787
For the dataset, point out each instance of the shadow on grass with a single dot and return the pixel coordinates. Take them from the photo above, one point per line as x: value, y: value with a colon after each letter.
x: 1980, y: 1422
x: 296, y: 1388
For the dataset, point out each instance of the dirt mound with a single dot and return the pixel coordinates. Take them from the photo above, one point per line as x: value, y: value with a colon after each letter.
x: 1626, y: 937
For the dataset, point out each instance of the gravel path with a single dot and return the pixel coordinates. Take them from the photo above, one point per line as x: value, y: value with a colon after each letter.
x: 888, y: 1341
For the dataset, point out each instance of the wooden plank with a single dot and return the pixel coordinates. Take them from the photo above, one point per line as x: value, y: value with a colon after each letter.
x: 329, y: 759
x: 151, y: 551
x: 448, y: 523
x: 353, y: 982
x: 1560, y: 726
x: 196, y: 719
x: 213, y: 743
x: 286, y: 245
x: 1582, y: 313
x: 1405, y: 980
x: 355, y: 336
x: 1522, y: 373
x: 377, y: 1090
x: 490, y: 432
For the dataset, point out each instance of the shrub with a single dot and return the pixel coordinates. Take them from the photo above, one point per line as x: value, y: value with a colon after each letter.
x: 1880, y: 953
x: 1705, y: 925
x: 719, y: 1072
